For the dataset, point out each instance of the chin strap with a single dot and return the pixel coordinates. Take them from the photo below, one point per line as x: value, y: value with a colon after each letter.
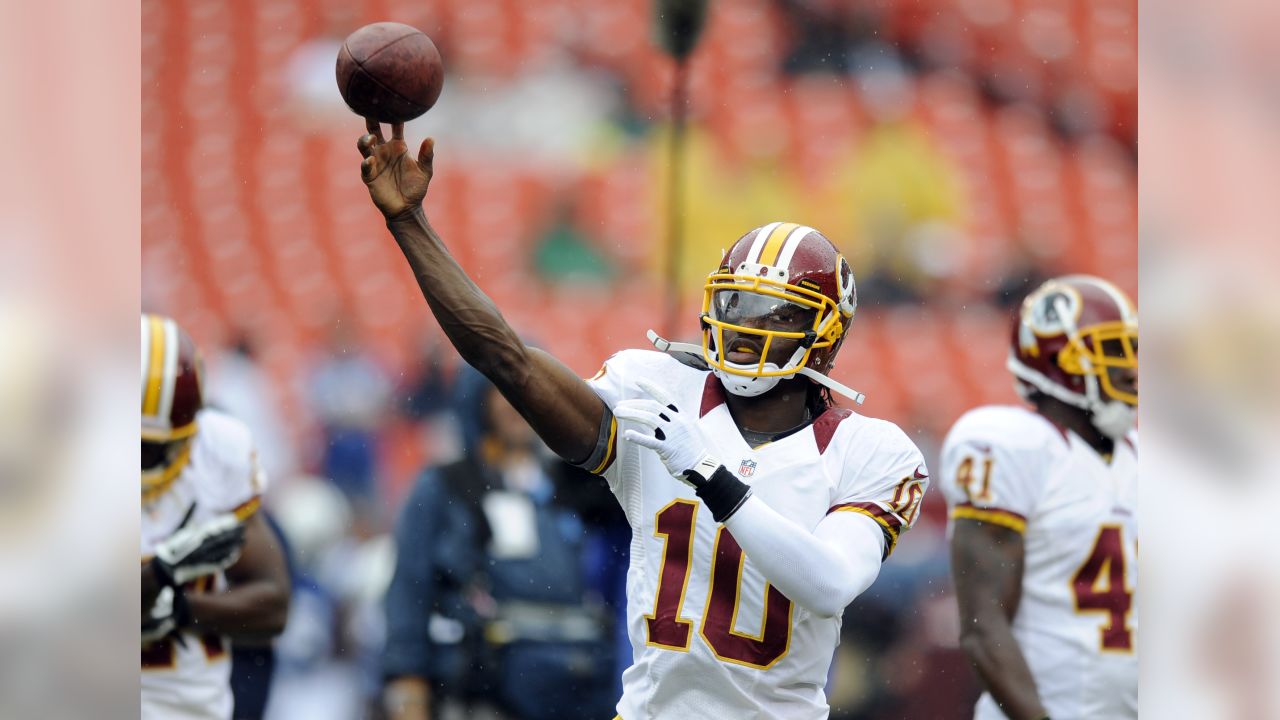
x: 686, y: 353
x: 833, y: 385
x: 691, y: 355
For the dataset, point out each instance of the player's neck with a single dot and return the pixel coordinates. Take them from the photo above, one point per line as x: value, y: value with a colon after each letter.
x: 781, y: 409
x: 1078, y: 422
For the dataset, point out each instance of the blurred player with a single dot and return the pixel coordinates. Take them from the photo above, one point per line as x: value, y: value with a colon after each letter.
x: 758, y: 509
x: 211, y: 565
x: 1044, y: 513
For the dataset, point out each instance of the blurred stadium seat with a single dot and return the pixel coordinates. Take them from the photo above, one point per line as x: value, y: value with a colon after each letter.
x: 250, y: 221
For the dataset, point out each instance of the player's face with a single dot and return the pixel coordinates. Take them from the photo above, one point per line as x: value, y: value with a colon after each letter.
x: 1124, y: 379
x: 158, y: 455
x: 754, y: 311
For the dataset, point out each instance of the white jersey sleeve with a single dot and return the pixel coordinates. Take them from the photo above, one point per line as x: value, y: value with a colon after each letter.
x: 233, y: 480
x: 989, y: 465
x: 616, y: 381
x: 883, y: 477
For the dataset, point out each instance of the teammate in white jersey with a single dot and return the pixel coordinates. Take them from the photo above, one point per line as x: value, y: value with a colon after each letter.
x: 758, y: 509
x: 1044, y: 513
x: 211, y: 565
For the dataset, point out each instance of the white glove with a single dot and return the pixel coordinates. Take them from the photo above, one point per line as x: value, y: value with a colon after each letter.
x: 162, y: 620
x: 672, y: 434
x: 193, y: 552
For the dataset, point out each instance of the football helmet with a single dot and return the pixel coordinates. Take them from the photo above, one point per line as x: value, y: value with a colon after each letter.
x: 780, y: 283
x: 1073, y: 337
x: 172, y: 395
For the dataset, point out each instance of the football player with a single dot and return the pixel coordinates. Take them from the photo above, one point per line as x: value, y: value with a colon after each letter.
x: 1044, y: 513
x: 758, y: 509
x: 211, y: 566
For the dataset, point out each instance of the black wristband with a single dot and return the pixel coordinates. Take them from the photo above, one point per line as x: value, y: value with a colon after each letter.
x: 723, y: 493
x: 181, y: 608
x: 163, y: 575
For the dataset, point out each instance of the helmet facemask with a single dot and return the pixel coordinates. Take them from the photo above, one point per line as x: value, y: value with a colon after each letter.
x: 162, y: 462
x: 753, y: 315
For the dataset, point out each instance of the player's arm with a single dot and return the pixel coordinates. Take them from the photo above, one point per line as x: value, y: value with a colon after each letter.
x: 821, y: 571
x: 256, y: 603
x: 986, y: 565
x: 559, y: 406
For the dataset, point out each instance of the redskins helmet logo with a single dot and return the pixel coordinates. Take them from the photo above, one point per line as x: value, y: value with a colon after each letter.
x: 1052, y: 310
x: 845, y: 287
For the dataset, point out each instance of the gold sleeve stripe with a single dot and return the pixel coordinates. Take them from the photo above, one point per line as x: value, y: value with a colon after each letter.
x: 248, y: 508
x: 890, y: 530
x: 995, y: 516
x: 613, y: 448
x: 773, y: 246
x: 881, y: 515
x: 155, y: 367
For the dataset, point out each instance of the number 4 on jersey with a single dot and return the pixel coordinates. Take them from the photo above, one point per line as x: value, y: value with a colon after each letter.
x: 1100, y: 587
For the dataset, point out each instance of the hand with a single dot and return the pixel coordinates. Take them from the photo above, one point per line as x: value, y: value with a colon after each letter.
x: 397, y: 183
x: 193, y: 552
x: 167, y: 614
x: 674, y: 435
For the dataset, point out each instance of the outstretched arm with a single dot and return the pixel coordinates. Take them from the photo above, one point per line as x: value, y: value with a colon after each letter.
x: 986, y: 565
x: 559, y: 406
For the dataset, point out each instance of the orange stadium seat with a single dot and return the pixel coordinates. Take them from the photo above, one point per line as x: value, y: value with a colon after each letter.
x: 251, y: 222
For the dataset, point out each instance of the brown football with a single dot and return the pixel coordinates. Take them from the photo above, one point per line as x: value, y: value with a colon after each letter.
x: 390, y: 72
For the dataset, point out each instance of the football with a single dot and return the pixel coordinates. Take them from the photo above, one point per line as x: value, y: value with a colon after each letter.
x: 390, y: 72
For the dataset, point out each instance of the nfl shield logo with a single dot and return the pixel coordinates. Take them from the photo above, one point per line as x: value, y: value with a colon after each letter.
x: 747, y: 468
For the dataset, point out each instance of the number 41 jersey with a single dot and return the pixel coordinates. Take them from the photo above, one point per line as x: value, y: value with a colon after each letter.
x: 711, y: 638
x: 1077, y: 622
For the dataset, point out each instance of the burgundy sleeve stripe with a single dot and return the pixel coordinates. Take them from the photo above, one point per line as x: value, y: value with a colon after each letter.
x: 875, y: 510
x: 889, y: 522
x: 995, y: 516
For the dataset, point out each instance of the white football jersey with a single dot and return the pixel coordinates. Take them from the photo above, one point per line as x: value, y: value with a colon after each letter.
x: 710, y: 637
x: 1077, y: 622
x: 189, y: 680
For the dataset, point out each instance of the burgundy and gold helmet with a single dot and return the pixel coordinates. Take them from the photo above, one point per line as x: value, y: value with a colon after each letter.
x: 1071, y: 334
x: 172, y: 395
x: 780, y: 282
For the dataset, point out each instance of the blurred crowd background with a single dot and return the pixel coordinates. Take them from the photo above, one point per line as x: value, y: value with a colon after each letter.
x: 958, y: 151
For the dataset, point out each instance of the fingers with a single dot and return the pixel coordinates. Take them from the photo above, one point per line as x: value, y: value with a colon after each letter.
x: 374, y: 128
x: 366, y: 145
x: 642, y: 439
x: 642, y: 406
x: 657, y: 394
x: 427, y: 153
x: 369, y: 168
x: 397, y: 131
x: 637, y: 415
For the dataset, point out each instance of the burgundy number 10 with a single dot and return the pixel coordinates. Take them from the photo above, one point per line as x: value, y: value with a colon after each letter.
x: 675, y: 523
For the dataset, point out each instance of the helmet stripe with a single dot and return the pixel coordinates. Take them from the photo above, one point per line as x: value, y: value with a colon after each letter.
x: 155, y: 368
x: 757, y: 243
x: 170, y: 375
x: 773, y: 246
x: 146, y: 352
x: 791, y: 243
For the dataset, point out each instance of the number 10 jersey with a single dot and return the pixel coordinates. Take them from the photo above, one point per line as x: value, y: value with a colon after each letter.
x: 711, y: 637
